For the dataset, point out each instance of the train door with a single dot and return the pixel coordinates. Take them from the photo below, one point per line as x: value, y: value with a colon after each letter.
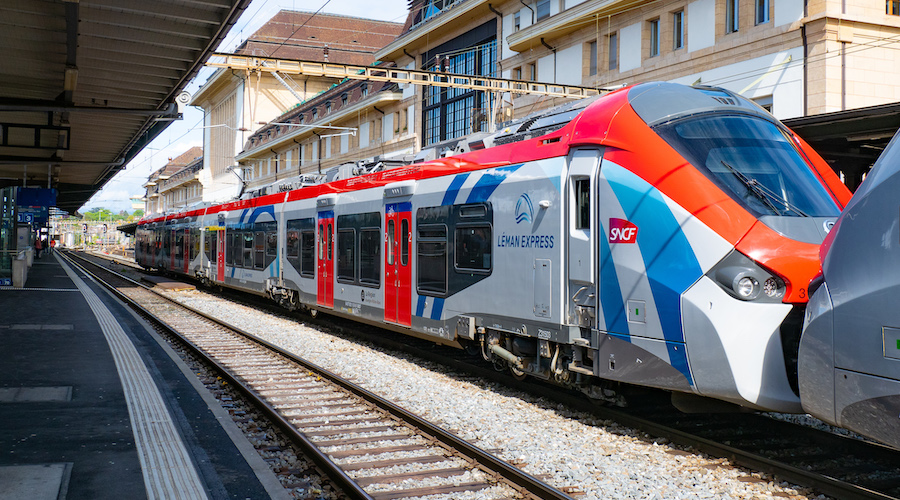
x: 186, y: 250
x: 582, y: 229
x: 220, y: 255
x: 397, y: 269
x: 173, y: 243
x: 325, y: 275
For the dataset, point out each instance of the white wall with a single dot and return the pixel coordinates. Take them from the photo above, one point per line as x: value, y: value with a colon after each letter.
x: 545, y: 69
x: 363, y: 134
x: 568, y: 65
x: 762, y: 76
x: 788, y: 11
x: 387, y: 127
x: 701, y: 24
x: 409, y: 89
x: 630, y: 47
x: 572, y: 3
x: 507, y: 27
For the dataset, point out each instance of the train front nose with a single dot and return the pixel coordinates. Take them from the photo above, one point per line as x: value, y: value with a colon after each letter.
x: 742, y: 335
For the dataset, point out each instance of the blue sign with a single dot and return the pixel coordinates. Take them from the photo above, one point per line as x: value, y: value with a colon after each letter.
x: 5, y: 281
x: 26, y: 217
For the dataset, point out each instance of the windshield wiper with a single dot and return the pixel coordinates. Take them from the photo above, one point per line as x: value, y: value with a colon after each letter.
x: 763, y: 193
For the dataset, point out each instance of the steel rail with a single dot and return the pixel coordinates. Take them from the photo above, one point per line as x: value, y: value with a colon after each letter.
x: 512, y: 474
x: 347, y: 485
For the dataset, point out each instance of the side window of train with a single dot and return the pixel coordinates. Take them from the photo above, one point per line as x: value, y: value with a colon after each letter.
x: 431, y: 250
x: 301, y: 246
x: 405, y: 240
x: 231, y: 243
x: 208, y: 238
x: 359, y: 249
x: 346, y: 262
x: 247, y: 249
x: 473, y: 247
x: 195, y: 243
x: 307, y: 253
x: 370, y: 256
x: 581, y: 188
x: 470, y: 250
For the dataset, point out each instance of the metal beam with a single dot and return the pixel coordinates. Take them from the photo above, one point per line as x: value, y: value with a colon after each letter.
x: 399, y: 75
x: 171, y: 111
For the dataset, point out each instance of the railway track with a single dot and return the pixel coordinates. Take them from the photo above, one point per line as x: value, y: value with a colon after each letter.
x: 367, y: 446
x: 827, y: 463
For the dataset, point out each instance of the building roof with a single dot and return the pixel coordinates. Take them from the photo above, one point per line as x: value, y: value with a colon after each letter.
x: 305, y: 36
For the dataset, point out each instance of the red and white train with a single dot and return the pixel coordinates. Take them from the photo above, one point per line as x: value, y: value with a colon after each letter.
x: 660, y: 235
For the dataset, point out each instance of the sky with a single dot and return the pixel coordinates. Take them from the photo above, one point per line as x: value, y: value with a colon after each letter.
x: 186, y: 133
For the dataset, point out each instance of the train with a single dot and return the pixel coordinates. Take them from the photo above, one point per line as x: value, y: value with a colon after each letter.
x: 658, y: 235
x: 849, y: 358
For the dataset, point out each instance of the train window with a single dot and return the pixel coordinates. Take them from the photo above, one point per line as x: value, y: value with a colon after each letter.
x: 330, y: 241
x: 431, y: 253
x: 307, y: 253
x: 232, y: 249
x: 247, y: 249
x: 754, y: 161
x: 321, y: 241
x: 259, y: 247
x: 390, y: 243
x: 582, y: 190
x: 271, y: 244
x: 370, y: 256
x: 293, y: 244
x: 346, y: 261
x: 473, y: 248
x: 300, y: 244
x: 404, y: 242
x: 472, y: 211
x: 213, y: 250
x: 195, y: 243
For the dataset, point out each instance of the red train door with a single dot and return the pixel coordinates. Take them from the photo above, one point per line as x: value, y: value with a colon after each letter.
x: 397, y: 268
x: 220, y: 255
x: 325, y: 275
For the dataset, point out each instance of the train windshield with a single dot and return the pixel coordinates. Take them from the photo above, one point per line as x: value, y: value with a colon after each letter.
x: 754, y: 162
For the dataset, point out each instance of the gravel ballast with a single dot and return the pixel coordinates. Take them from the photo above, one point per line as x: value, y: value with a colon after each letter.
x: 568, y: 449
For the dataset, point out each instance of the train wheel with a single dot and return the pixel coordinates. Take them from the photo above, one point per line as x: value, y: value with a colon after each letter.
x: 517, y: 373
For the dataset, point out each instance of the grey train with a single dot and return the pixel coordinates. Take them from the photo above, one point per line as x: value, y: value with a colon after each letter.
x: 659, y: 235
x: 849, y: 358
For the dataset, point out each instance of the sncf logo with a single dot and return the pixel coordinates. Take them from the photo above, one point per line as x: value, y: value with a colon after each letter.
x: 622, y: 231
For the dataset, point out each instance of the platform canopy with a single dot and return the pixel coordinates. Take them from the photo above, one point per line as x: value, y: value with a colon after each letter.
x: 86, y: 84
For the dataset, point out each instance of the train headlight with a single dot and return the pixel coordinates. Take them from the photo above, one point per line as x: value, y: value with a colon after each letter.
x: 773, y: 288
x: 745, y: 280
x: 747, y: 288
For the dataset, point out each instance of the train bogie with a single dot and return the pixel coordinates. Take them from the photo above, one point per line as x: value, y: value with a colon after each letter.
x: 850, y: 348
x: 638, y: 239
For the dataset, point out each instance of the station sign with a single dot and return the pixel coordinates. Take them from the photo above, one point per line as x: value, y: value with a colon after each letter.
x: 5, y: 281
x: 26, y: 218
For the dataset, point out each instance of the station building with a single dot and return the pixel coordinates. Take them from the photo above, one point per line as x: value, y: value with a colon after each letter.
x: 834, y: 61
x: 175, y: 185
x: 236, y: 103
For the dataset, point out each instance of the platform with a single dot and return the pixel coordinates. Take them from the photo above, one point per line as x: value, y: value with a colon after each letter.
x: 94, y: 405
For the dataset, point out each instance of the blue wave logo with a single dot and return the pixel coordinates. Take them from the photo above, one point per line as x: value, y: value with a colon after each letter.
x: 524, y: 209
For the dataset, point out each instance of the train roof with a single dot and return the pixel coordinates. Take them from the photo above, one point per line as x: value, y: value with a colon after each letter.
x: 546, y: 134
